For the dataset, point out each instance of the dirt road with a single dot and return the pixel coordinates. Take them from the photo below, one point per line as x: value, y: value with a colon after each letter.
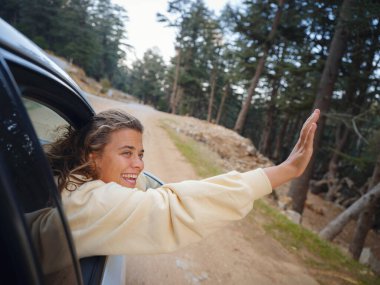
x: 240, y: 254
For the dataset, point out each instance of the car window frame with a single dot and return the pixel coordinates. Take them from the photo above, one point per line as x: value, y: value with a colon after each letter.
x: 12, y: 95
x: 76, y: 110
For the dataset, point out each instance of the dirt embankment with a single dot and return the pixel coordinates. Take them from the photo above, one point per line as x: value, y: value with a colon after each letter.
x: 235, y: 151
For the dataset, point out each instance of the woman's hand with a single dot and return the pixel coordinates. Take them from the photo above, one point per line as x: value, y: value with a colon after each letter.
x: 300, y: 156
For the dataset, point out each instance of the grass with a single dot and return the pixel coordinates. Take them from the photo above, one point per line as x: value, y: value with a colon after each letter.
x: 326, y: 262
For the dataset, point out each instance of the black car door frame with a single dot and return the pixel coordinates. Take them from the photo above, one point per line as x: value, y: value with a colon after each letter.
x: 20, y: 264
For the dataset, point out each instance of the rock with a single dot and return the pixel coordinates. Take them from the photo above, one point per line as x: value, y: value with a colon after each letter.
x: 365, y: 255
x: 251, y: 150
x: 284, y: 202
x: 368, y: 258
x: 293, y: 216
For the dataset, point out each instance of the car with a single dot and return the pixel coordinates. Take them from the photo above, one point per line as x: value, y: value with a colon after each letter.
x: 36, y: 99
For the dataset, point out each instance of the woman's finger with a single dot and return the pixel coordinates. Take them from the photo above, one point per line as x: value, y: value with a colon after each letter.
x: 310, y: 136
x: 313, y: 118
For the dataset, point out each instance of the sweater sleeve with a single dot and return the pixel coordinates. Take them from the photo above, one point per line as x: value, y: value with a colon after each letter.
x: 108, y: 219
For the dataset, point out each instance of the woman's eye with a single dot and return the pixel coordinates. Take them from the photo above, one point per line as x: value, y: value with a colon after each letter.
x: 128, y: 153
x: 141, y: 156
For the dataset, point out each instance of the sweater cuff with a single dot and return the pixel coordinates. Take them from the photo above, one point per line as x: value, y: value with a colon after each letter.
x: 258, y: 182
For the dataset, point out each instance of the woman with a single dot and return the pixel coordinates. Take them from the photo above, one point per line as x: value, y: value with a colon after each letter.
x: 97, y: 169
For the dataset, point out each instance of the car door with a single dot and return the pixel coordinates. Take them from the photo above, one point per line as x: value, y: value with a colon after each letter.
x: 35, y: 242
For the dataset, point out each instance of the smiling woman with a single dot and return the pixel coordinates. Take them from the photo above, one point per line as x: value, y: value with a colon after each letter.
x: 121, y: 160
x: 109, y: 148
x: 98, y: 167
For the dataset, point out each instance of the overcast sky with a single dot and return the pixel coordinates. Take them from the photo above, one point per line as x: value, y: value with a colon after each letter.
x: 145, y: 32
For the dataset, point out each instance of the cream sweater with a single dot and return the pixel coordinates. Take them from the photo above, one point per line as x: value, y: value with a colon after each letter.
x: 109, y: 219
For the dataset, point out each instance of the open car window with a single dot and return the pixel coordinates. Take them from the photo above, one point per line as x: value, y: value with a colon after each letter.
x: 47, y: 123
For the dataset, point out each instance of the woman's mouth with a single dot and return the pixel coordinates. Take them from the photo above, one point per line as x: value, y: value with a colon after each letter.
x: 130, y: 179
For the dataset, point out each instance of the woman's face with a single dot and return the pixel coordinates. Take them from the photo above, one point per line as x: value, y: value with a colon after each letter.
x: 122, y: 158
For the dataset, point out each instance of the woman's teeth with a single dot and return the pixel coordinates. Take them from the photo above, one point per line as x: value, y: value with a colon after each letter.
x: 130, y: 178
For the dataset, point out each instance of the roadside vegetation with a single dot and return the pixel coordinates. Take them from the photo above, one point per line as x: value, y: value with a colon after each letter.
x: 327, y: 263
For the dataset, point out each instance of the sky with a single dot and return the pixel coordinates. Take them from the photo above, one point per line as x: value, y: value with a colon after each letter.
x: 144, y: 32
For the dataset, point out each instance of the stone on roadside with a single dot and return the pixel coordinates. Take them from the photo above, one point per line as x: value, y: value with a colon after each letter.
x: 294, y: 216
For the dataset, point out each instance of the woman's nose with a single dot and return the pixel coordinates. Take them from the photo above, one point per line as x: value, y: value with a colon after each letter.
x: 138, y: 163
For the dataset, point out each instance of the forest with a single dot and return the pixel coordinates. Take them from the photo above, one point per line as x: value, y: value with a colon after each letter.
x: 258, y: 68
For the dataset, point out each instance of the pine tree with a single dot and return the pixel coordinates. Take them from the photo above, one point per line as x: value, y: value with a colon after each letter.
x: 299, y: 187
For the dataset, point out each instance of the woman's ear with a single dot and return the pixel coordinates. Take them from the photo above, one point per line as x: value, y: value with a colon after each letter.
x: 92, y: 160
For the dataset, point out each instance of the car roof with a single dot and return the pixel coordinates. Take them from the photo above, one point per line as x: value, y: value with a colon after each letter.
x: 15, y: 42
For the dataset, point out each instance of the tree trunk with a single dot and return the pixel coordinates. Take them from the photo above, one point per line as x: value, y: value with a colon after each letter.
x: 265, y: 142
x: 340, y: 141
x: 265, y: 139
x: 336, y: 226
x: 212, y: 94
x: 341, y: 137
x: 354, y: 100
x: 178, y: 97
x: 260, y: 67
x: 364, y: 224
x: 221, y: 106
x: 299, y: 187
x: 174, y: 95
x: 366, y: 218
x: 279, y: 138
x: 286, y: 142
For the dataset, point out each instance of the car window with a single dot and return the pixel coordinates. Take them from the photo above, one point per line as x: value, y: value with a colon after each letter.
x: 47, y: 123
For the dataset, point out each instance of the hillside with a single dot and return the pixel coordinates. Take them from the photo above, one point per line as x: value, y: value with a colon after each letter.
x: 90, y: 85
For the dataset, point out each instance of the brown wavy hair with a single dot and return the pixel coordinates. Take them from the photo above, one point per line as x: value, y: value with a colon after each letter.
x: 69, y: 154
